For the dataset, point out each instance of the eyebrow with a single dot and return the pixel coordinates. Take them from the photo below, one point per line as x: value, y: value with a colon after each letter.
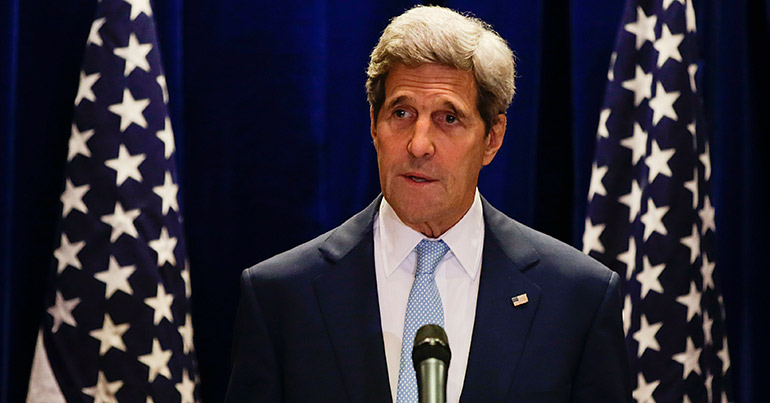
x: 397, y: 101
x: 447, y: 104
x: 454, y: 109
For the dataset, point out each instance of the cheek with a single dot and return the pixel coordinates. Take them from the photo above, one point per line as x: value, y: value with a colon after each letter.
x: 466, y: 166
x: 389, y: 151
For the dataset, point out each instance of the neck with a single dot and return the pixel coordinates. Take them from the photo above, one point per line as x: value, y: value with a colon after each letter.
x: 436, y: 228
x: 432, y: 229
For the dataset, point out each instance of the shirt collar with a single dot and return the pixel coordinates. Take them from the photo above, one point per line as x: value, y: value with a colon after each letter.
x: 464, y: 238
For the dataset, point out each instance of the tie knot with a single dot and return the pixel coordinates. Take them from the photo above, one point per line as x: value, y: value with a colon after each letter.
x: 429, y: 253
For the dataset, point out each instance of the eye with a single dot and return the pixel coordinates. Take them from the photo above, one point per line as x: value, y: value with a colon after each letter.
x: 450, y: 119
x: 400, y: 113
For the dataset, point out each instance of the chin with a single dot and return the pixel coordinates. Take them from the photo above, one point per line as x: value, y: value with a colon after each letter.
x: 415, y: 211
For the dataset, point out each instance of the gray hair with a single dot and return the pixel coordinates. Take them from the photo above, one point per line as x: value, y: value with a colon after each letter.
x: 432, y: 34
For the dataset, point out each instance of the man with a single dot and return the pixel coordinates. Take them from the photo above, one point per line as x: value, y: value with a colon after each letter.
x: 528, y: 318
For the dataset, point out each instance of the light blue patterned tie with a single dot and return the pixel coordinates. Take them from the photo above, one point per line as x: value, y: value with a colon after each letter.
x: 424, y: 307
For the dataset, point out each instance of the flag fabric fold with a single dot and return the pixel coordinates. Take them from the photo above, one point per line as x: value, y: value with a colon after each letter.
x: 650, y: 216
x: 117, y: 325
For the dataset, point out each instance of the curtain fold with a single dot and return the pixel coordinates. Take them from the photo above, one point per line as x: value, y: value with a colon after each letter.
x: 272, y: 131
x: 8, y: 65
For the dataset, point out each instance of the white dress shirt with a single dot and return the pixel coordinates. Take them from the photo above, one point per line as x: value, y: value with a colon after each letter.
x: 457, y: 279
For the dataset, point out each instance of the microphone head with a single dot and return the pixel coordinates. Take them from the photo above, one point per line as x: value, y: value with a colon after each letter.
x: 431, y: 342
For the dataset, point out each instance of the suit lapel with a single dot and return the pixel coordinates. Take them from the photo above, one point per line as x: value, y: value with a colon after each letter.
x: 347, y: 297
x: 500, y: 329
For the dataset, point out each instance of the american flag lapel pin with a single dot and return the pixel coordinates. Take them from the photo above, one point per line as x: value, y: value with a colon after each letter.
x: 520, y: 299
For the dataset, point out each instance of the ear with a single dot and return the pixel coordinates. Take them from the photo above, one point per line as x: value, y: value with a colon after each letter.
x: 372, y: 127
x: 494, y: 139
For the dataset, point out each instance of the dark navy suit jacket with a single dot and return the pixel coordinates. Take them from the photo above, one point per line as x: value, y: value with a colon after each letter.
x: 308, y: 326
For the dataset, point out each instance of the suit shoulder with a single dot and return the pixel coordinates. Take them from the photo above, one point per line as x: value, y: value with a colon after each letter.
x: 309, y: 259
x: 566, y: 274
x: 558, y: 254
x: 301, y: 261
x: 547, y: 260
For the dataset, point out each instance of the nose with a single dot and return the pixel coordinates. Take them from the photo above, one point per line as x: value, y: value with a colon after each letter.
x: 421, y: 144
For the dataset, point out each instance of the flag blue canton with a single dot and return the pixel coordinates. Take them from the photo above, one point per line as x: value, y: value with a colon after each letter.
x: 650, y: 216
x: 118, y: 323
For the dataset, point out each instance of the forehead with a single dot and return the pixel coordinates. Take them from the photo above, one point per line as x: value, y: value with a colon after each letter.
x: 432, y: 81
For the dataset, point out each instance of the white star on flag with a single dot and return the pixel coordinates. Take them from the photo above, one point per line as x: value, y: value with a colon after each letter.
x: 611, y: 70
x: 186, y: 388
x: 640, y: 85
x: 707, y: 324
x: 629, y: 258
x: 167, y: 192
x: 135, y: 55
x: 157, y: 361
x: 692, y: 301
x: 161, y: 305
x: 691, y: 71
x: 167, y: 137
x: 110, y: 335
x: 707, y: 271
x: 724, y: 356
x: 186, y: 277
x: 104, y: 391
x: 663, y: 104
x: 72, y: 198
x: 122, y: 222
x: 709, y: 386
x: 645, y: 336
x: 643, y: 392
x: 591, y: 236
x: 77, y: 143
x: 667, y: 3
x: 161, y: 80
x: 706, y: 161
x: 93, y: 35
x: 85, y: 87
x: 602, y: 130
x: 61, y: 311
x: 689, y: 359
x: 597, y: 176
x: 633, y: 200
x: 653, y: 219
x: 692, y: 186
x: 130, y: 110
x: 693, y: 243
x: 138, y: 7
x: 126, y: 165
x: 115, y: 278
x: 657, y: 161
x: 636, y: 143
x: 164, y: 247
x: 187, y: 334
x: 627, y: 308
x: 67, y: 254
x: 690, y: 16
x: 643, y: 27
x: 648, y: 277
x: 668, y: 46
x: 707, y: 216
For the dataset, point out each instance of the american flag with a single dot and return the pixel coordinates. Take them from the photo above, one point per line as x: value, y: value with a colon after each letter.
x: 650, y: 216
x: 117, y: 325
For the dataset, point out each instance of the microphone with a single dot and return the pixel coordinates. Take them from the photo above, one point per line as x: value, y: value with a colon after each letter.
x: 431, y: 356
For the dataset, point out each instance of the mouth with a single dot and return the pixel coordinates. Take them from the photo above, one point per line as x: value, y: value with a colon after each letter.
x: 417, y: 178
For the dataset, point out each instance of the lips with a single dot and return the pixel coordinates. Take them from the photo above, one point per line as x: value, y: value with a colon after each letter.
x: 418, y: 178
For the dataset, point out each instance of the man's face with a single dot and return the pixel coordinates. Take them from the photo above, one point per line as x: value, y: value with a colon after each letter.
x: 430, y: 144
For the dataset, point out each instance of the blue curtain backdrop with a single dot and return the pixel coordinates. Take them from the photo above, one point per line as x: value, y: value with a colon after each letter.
x: 271, y: 122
